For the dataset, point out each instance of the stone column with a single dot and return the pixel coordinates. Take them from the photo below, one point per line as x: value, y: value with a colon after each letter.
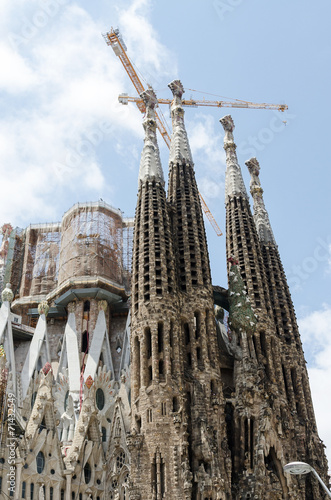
x: 19, y: 465
x: 68, y: 473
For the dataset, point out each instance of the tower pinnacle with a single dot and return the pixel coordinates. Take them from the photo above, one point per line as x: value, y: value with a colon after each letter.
x: 234, y: 184
x: 150, y: 163
x: 261, y: 217
x: 179, y: 149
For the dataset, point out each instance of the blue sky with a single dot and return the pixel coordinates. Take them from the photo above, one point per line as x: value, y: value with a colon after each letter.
x: 64, y: 138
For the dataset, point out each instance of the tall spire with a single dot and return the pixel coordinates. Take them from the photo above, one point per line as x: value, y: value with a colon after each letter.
x: 234, y: 184
x: 191, y: 243
x: 180, y: 148
x: 261, y: 217
x: 150, y: 163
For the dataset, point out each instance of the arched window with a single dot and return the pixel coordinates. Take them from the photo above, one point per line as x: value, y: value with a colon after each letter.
x: 100, y: 399
x: 31, y: 491
x: 197, y: 324
x: 160, y: 336
x: 51, y: 491
x: 40, y: 460
x: 148, y: 338
x: 104, y: 434
x: 85, y: 342
x: 120, y: 460
x: 187, y: 335
x: 23, y: 489
x: 150, y: 374
x: 87, y: 473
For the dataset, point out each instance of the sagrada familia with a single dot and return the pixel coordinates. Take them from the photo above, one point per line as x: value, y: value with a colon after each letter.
x: 125, y: 374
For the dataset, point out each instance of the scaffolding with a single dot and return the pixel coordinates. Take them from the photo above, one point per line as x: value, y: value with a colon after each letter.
x: 92, y: 243
x: 128, y: 225
x: 40, y: 263
x: 5, y: 232
x: 93, y: 239
x: 13, y: 265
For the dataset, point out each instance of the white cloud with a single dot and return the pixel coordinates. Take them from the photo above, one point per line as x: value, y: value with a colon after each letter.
x: 315, y: 330
x: 16, y: 75
x: 206, y: 143
x: 61, y: 82
x: 146, y: 50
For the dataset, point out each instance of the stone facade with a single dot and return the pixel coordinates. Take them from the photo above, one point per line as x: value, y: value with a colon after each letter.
x: 215, y: 400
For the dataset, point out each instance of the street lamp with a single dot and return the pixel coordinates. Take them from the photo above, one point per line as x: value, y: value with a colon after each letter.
x: 302, y: 468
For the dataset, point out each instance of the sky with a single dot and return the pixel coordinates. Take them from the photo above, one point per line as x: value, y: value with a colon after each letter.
x: 65, y: 138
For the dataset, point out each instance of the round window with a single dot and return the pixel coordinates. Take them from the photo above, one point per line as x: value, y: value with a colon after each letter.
x: 100, y: 399
x: 40, y: 460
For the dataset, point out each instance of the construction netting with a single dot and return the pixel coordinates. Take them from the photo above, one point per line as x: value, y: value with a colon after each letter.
x: 93, y: 239
x: 41, y: 260
x: 13, y: 263
x: 92, y: 243
x: 128, y: 225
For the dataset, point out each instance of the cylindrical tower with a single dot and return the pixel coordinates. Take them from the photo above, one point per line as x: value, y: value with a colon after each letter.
x: 91, y: 243
x: 156, y: 371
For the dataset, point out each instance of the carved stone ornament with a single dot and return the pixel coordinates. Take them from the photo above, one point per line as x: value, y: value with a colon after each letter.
x: 228, y: 123
x: 89, y: 382
x: 47, y: 368
x: 261, y: 216
x: 102, y: 305
x: 7, y: 294
x: 150, y: 163
x: 234, y: 183
x: 134, y: 440
x: 177, y: 419
x: 176, y: 88
x: 71, y: 307
x: 134, y: 493
x: 43, y: 308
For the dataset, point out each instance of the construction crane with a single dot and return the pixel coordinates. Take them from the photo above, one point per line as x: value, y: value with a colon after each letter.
x: 125, y: 99
x: 115, y: 40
